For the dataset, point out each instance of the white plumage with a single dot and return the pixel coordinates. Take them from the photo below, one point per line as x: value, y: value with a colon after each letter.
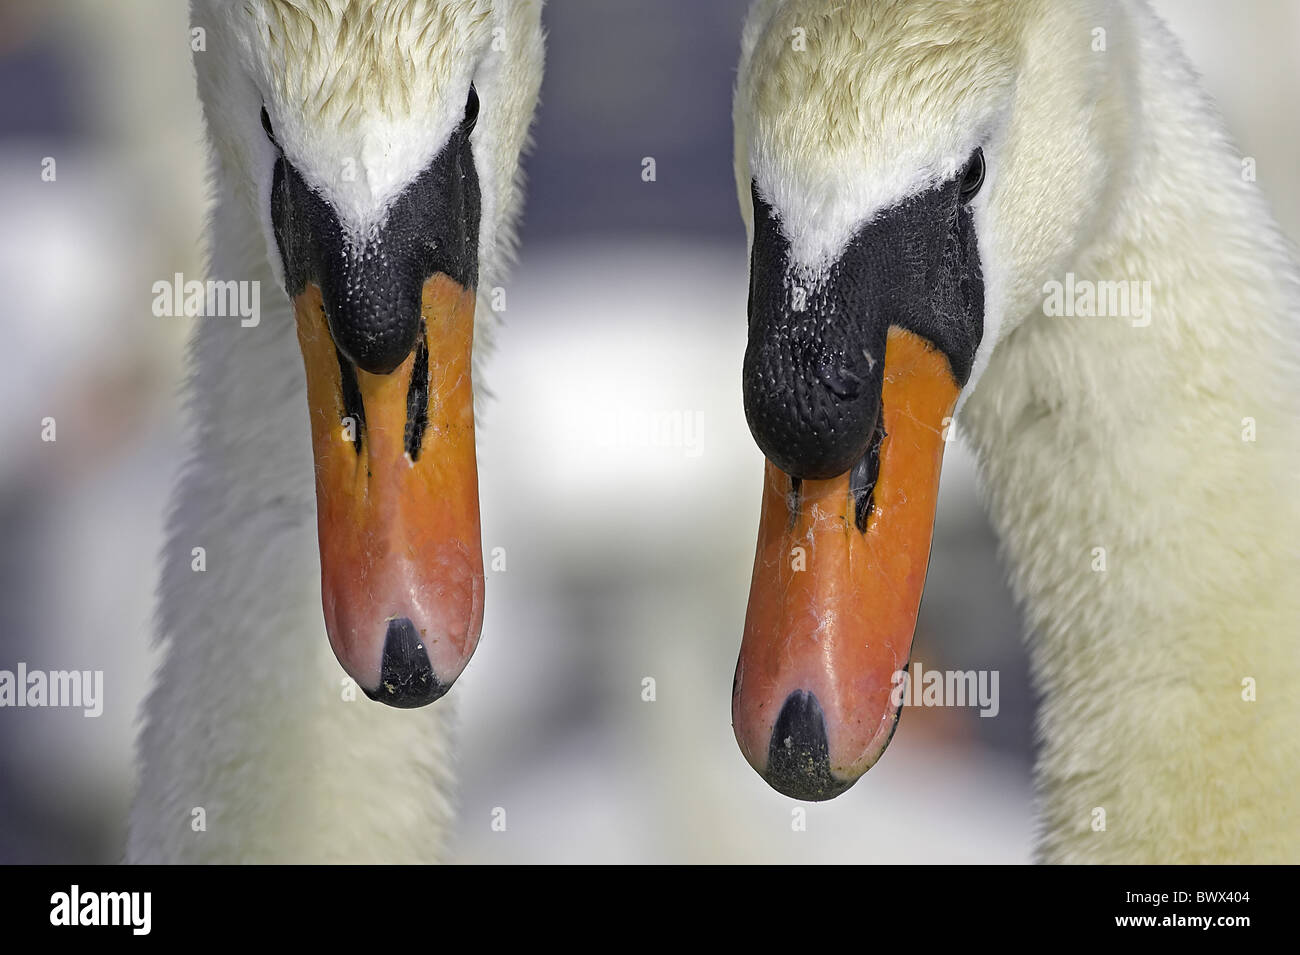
x: 255, y: 747
x: 1097, y: 437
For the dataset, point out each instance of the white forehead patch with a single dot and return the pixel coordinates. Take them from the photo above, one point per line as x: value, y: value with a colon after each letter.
x: 845, y: 109
x: 822, y: 205
x: 363, y: 95
x: 361, y: 168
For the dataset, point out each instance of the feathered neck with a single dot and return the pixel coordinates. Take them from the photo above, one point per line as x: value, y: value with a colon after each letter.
x: 255, y: 747
x: 1141, y: 478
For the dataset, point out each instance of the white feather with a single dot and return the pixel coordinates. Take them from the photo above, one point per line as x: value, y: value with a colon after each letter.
x: 247, y: 727
x: 1091, y: 432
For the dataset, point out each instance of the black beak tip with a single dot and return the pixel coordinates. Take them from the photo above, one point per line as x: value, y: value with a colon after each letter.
x: 406, y: 677
x: 798, y: 755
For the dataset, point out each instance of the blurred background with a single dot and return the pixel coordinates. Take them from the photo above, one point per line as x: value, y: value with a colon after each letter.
x: 629, y: 552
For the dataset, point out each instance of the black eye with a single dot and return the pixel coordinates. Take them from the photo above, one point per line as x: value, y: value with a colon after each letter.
x: 471, y: 111
x: 266, y: 125
x: 974, y: 178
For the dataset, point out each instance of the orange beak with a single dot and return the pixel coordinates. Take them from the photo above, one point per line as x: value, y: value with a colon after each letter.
x: 397, y: 500
x: 833, y: 604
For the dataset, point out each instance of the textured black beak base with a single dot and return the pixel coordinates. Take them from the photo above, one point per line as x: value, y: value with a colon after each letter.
x: 371, y: 286
x: 814, y: 366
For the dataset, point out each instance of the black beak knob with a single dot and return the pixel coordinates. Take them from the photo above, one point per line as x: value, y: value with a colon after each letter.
x: 811, y: 405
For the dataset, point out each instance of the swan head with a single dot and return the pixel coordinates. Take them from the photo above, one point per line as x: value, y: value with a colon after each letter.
x: 910, y: 175
x: 373, y: 149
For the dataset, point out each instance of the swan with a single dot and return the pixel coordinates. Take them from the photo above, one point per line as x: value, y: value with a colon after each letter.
x: 1024, y: 217
x: 364, y: 167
